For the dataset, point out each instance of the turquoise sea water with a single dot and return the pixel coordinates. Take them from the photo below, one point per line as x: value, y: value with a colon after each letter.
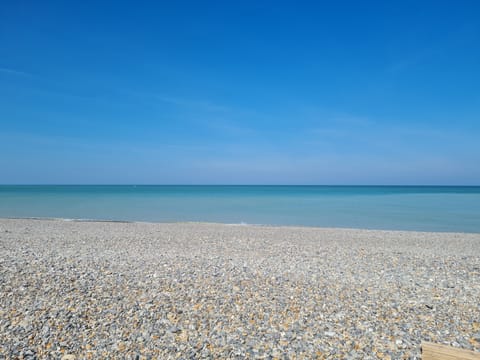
x: 425, y: 208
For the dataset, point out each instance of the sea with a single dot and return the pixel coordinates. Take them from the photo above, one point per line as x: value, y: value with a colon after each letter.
x: 419, y: 208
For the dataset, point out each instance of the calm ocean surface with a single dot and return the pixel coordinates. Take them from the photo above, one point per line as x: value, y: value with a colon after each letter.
x: 426, y: 208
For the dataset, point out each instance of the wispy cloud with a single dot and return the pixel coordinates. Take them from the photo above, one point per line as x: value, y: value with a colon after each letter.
x: 178, y: 101
x: 100, y: 145
x: 196, y: 104
x: 202, y: 104
x: 13, y: 72
x: 318, y: 114
x: 219, y: 117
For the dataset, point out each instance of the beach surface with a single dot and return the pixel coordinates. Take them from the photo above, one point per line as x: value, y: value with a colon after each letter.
x: 194, y: 290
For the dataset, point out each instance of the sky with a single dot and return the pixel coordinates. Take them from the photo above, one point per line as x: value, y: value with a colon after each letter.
x: 240, y: 92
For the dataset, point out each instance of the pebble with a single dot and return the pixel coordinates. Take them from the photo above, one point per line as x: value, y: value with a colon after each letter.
x: 89, y: 290
x: 68, y: 357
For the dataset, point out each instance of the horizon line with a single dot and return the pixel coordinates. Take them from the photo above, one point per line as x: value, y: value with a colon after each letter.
x: 339, y: 185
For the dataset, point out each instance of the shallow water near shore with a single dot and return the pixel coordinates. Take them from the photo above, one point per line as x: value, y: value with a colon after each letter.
x: 421, y: 208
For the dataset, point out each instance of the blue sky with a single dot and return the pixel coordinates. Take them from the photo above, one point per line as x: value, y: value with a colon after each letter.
x: 240, y: 92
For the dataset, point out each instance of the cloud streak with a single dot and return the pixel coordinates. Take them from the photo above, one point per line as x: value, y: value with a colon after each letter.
x: 209, y: 114
x: 13, y: 72
x: 201, y: 104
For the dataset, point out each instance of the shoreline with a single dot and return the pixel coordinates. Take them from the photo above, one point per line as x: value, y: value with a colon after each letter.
x: 157, y: 290
x: 87, y: 220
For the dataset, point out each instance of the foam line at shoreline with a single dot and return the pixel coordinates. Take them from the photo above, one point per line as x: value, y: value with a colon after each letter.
x: 241, y: 224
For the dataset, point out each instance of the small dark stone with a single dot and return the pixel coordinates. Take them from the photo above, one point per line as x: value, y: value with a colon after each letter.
x: 174, y: 329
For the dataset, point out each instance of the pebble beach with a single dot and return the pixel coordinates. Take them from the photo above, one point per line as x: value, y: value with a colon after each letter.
x: 104, y: 290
